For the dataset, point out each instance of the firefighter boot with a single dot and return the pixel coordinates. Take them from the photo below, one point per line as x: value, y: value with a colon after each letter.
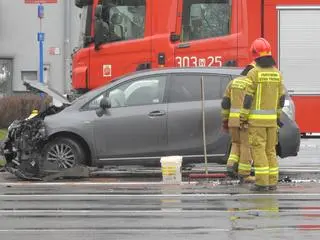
x: 257, y: 188
x: 273, y: 188
x: 233, y: 158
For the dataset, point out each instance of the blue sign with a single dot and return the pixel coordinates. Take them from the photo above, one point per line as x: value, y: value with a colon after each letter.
x: 40, y: 11
x: 40, y: 36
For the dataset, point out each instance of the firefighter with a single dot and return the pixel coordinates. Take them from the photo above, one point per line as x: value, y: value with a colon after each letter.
x: 239, y: 159
x: 262, y: 106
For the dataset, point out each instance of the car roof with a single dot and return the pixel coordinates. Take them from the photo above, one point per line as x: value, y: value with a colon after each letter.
x: 149, y: 72
x: 167, y: 70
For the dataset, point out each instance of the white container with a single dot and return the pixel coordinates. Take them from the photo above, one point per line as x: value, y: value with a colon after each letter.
x: 171, y: 169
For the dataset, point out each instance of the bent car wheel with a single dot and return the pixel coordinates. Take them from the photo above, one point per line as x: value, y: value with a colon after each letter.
x: 63, y: 153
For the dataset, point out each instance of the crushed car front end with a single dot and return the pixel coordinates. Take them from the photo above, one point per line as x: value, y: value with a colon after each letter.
x: 26, y: 138
x: 24, y: 143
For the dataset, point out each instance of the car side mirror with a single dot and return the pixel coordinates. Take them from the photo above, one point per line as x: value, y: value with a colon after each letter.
x: 100, y: 112
x: 105, y: 103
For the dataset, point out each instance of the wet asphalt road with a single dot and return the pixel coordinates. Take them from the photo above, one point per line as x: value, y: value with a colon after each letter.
x: 114, y: 209
x: 142, y: 211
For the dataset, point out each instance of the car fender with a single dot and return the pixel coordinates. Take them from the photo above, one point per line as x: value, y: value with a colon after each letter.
x: 85, y: 135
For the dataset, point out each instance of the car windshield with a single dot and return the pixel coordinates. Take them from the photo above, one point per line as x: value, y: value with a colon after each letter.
x: 93, y: 93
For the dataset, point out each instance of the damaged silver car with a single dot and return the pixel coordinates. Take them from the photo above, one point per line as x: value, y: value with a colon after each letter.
x: 26, y: 139
x: 135, y: 120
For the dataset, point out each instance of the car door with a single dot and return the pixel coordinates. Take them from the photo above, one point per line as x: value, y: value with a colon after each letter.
x: 185, y: 115
x: 135, y: 125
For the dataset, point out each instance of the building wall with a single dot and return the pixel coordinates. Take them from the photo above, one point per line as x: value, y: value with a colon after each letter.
x: 19, y: 25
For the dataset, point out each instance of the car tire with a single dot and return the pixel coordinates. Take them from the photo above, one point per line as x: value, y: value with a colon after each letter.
x: 224, y: 159
x: 72, y: 153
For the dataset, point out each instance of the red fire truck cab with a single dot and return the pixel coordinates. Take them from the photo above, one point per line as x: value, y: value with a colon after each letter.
x: 123, y: 36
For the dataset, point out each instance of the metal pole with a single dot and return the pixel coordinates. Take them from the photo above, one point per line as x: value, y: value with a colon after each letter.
x: 67, y: 44
x: 204, y: 125
x: 41, y: 60
x: 40, y: 40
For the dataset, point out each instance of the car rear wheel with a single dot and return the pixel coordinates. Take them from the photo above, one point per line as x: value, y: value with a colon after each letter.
x: 64, y: 152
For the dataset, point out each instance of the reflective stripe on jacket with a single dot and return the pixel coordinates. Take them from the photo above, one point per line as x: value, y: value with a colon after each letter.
x: 265, y: 93
x: 234, y: 92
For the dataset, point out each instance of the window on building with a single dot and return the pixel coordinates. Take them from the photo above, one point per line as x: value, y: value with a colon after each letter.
x: 203, y: 19
x: 125, y: 19
x: 29, y: 75
x: 5, y: 77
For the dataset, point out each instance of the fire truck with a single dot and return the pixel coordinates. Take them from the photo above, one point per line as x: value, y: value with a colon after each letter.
x: 122, y: 36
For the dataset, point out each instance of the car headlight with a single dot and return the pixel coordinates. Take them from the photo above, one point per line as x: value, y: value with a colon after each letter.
x: 10, y: 127
x: 289, y: 108
x: 42, y: 131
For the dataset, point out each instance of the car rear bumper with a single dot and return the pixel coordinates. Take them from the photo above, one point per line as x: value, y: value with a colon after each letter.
x: 289, y: 138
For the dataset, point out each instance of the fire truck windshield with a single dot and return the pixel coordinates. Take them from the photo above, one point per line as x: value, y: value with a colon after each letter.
x: 124, y: 21
x: 83, y: 26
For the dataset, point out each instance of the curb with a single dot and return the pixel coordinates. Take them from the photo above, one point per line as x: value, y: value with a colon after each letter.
x: 154, y: 174
x: 305, y: 172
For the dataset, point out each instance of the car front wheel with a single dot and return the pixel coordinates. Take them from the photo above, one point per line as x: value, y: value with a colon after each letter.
x: 63, y: 152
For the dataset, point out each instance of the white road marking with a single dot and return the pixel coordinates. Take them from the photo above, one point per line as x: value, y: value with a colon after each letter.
x: 162, y: 211
x: 126, y: 196
x: 95, y: 230
x: 186, y: 183
x: 181, y: 230
x: 77, y: 196
x: 142, y: 230
x: 89, y: 183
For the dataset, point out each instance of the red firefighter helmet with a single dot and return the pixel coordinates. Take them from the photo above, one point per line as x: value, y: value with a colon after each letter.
x: 260, y: 48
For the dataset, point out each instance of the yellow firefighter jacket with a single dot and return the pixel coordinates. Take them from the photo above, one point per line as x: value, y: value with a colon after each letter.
x: 264, y: 97
x: 233, y: 100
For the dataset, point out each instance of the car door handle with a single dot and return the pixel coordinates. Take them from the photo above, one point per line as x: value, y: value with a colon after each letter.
x: 156, y: 113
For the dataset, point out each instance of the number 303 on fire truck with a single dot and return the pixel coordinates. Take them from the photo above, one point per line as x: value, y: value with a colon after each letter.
x: 198, y: 62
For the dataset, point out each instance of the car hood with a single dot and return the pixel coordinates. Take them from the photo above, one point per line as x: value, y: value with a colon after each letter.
x: 58, y: 99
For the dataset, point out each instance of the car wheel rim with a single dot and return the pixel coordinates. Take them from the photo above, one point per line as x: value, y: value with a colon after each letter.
x: 62, y: 155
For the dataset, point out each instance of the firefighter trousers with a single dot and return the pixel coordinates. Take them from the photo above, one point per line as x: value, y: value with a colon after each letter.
x: 239, y: 161
x: 263, y: 143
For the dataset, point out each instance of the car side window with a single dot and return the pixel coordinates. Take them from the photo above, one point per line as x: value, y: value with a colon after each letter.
x: 187, y: 88
x: 143, y: 91
x: 215, y: 85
